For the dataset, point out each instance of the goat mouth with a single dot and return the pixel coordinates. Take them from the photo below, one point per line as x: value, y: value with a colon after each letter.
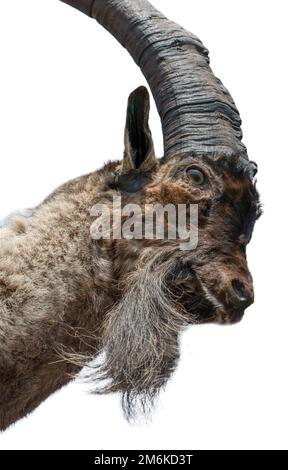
x: 230, y: 317
x: 223, y: 316
x: 199, y: 302
x: 220, y: 313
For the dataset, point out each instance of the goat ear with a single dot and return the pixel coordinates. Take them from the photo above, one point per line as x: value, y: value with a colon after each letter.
x: 139, y: 147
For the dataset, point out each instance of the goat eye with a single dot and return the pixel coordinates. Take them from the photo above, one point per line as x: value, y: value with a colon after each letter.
x: 196, y: 175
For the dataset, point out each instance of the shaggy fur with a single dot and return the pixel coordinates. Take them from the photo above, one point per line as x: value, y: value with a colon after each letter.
x: 65, y: 298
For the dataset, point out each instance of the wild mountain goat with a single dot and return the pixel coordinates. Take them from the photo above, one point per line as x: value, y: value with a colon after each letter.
x: 66, y: 297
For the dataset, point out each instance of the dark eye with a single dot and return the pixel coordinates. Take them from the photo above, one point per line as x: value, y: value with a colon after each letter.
x: 197, y: 176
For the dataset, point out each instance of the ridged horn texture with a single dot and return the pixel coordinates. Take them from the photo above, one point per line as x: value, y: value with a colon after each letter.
x: 197, y: 112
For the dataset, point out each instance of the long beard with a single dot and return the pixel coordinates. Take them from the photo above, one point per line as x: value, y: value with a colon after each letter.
x: 141, y: 334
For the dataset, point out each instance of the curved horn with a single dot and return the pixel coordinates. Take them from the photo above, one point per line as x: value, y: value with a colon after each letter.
x: 197, y: 112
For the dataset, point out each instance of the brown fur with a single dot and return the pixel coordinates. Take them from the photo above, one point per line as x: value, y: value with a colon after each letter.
x: 65, y: 298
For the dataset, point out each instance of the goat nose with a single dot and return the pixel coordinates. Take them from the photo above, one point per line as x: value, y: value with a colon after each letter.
x: 243, y: 292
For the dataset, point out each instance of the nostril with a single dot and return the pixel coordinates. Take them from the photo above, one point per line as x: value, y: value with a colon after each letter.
x: 239, y: 289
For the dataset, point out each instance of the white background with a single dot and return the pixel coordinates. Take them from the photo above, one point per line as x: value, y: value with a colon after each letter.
x: 63, y: 88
